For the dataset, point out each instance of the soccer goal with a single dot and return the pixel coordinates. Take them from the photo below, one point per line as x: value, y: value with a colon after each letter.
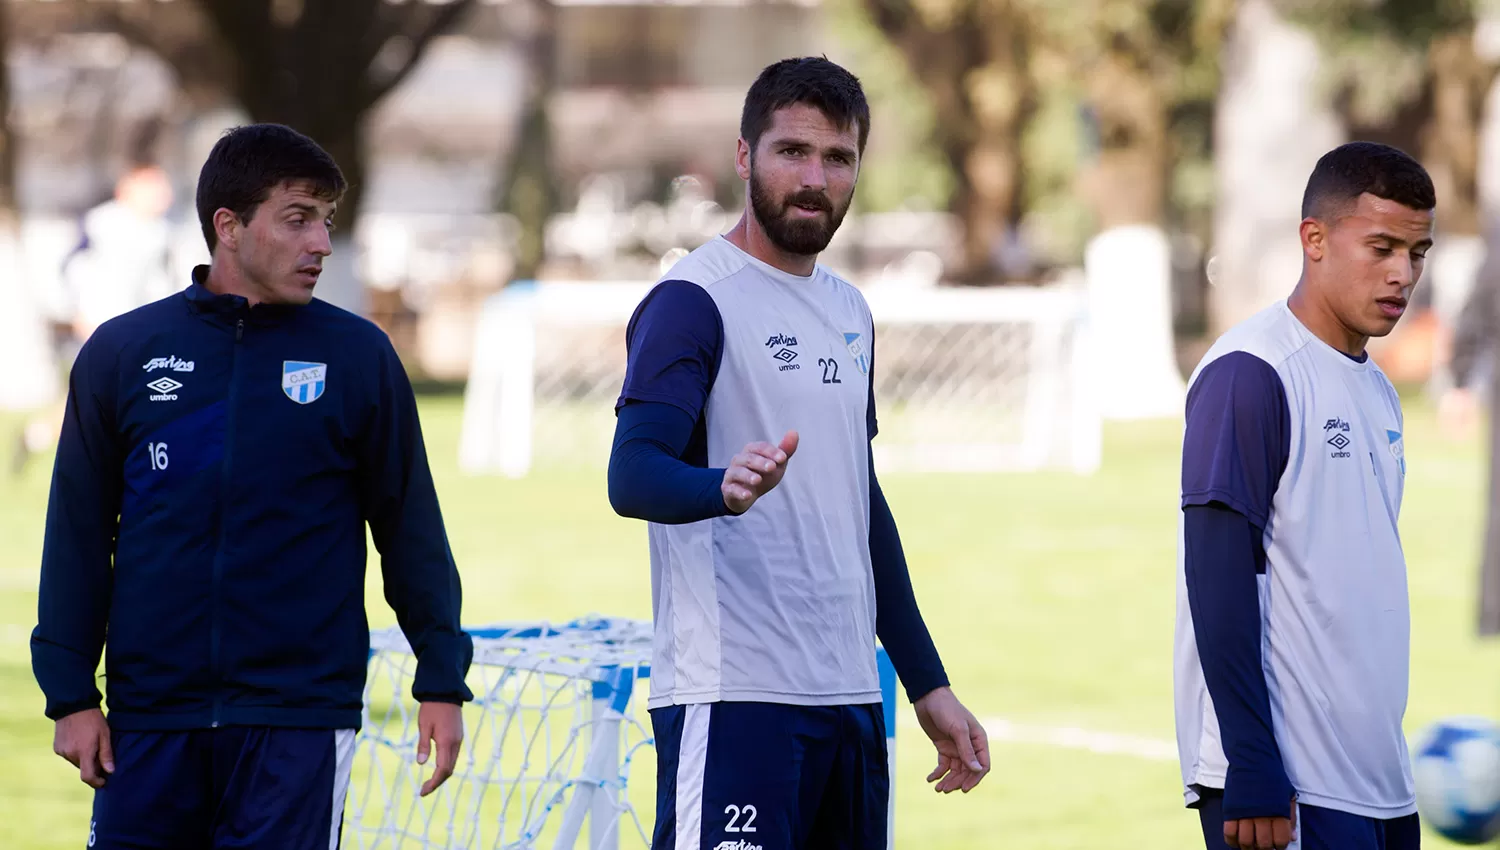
x: 558, y: 750
x: 990, y: 379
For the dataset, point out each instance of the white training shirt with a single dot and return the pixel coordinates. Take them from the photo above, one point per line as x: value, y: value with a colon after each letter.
x: 1335, y: 619
x: 776, y: 605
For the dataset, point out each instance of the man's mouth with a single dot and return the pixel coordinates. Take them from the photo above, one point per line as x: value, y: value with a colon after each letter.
x: 810, y: 206
x: 1392, y: 306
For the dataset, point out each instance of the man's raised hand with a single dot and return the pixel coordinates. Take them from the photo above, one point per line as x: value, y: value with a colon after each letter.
x: 753, y: 472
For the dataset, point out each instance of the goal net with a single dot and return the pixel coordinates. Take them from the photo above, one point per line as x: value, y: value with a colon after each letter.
x: 554, y: 737
x: 557, y: 752
x: 993, y: 379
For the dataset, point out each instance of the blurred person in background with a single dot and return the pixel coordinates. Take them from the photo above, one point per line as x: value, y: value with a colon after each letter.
x: 1476, y: 386
x: 123, y: 261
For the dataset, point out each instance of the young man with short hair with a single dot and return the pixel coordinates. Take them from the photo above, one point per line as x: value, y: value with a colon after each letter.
x: 1293, y: 623
x: 223, y: 451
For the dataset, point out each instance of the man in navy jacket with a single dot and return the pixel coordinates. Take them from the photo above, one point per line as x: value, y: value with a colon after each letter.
x: 222, y: 452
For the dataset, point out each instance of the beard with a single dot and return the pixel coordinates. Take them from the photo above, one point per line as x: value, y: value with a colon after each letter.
x: 801, y: 236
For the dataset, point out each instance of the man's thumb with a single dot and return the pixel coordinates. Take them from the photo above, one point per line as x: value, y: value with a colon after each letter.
x: 789, y: 443
x: 966, y: 747
x: 424, y: 744
x: 106, y: 751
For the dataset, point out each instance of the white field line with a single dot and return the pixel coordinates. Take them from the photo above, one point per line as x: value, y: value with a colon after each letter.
x: 1001, y: 730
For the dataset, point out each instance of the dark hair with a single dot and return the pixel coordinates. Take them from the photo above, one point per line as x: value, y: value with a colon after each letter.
x: 1353, y: 169
x: 811, y: 80
x: 249, y: 162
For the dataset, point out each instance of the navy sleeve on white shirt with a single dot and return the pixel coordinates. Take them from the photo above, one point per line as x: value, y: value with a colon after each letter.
x: 658, y: 469
x: 1238, y: 436
x: 1235, y: 449
x: 674, y: 344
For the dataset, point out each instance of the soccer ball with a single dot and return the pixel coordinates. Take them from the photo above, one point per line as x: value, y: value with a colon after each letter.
x: 1456, y: 764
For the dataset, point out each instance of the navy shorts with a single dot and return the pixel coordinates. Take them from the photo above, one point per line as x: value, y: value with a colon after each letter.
x: 746, y: 775
x: 214, y: 789
x: 1321, y: 829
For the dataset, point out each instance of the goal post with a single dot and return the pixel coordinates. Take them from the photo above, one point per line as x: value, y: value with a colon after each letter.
x: 971, y: 379
x: 558, y: 752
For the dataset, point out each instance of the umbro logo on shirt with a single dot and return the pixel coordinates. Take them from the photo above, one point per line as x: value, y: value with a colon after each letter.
x: 784, y: 353
x: 164, y: 389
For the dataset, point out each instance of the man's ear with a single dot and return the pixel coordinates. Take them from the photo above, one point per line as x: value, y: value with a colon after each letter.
x: 1314, y: 238
x: 227, y: 226
x: 742, y: 157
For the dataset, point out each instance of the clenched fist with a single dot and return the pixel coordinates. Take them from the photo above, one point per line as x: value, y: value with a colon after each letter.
x: 753, y: 472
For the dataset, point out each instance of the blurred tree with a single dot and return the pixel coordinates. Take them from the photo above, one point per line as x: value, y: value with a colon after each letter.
x: 527, y: 189
x: 972, y: 59
x: 1149, y: 71
x: 1409, y: 73
x: 318, y: 66
x: 902, y: 168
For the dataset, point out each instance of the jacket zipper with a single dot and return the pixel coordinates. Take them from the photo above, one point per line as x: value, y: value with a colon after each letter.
x: 213, y: 619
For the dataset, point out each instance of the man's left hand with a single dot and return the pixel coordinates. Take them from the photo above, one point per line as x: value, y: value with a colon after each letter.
x: 441, y: 723
x: 963, y: 749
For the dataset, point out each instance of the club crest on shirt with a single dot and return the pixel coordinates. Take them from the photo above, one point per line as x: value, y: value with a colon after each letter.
x: 857, y: 350
x: 1398, y: 448
x: 303, y: 382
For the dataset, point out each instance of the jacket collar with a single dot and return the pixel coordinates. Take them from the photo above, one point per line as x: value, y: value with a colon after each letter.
x: 202, y: 300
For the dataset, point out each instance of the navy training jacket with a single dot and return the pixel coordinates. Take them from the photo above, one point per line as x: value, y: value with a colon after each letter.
x: 216, y: 469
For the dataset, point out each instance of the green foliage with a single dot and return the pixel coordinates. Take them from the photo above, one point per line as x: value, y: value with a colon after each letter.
x: 1375, y: 51
x: 902, y: 169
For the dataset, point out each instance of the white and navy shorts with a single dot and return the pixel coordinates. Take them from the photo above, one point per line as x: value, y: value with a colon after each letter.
x: 762, y: 776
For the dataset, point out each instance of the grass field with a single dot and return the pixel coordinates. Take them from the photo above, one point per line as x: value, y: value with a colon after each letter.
x: 1050, y: 596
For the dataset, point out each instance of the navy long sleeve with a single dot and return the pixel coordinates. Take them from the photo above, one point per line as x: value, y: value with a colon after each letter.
x: 898, y: 620
x: 1235, y: 449
x: 658, y: 466
x: 647, y: 477
x: 78, y: 549
x: 421, y: 579
x: 1222, y: 558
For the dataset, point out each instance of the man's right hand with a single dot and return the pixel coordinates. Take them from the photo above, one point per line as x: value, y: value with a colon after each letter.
x: 83, y: 739
x: 753, y: 472
x: 1261, y: 833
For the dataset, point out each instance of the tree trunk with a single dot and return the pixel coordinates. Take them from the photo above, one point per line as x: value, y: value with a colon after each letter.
x: 975, y: 66
x: 1128, y: 262
x: 985, y: 151
x: 1459, y: 83
x: 1127, y: 184
x: 528, y: 188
